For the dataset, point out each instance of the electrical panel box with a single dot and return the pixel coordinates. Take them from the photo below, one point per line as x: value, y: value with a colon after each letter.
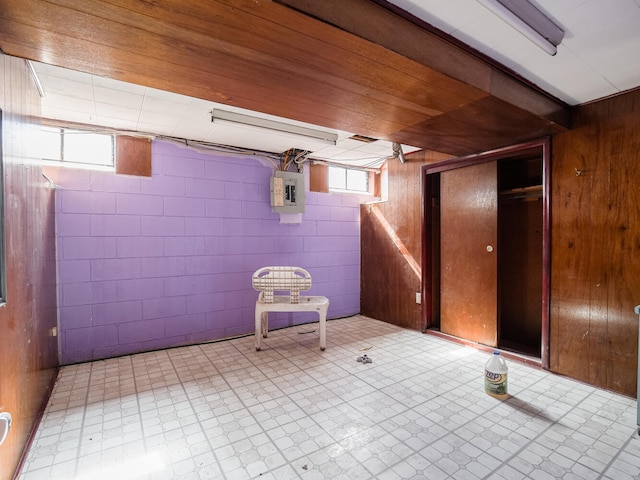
x: 287, y: 192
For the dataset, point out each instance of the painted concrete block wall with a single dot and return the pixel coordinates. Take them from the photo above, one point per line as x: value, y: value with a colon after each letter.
x: 147, y: 263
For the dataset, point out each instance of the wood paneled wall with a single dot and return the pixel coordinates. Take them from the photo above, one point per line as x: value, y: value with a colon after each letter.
x: 595, y: 278
x: 319, y: 177
x: 133, y: 156
x: 28, y: 352
x: 596, y: 244
x: 391, y: 243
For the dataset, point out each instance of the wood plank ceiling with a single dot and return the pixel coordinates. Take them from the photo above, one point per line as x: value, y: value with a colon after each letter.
x: 353, y: 66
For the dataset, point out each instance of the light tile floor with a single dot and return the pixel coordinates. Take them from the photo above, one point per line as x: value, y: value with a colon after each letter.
x: 223, y: 410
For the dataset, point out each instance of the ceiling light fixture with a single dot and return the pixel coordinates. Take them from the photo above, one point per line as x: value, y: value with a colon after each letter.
x: 397, y: 152
x: 529, y: 21
x: 234, y: 119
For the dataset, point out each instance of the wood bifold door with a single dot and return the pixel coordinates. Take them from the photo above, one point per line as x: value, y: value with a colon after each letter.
x: 468, y: 257
x: 486, y: 248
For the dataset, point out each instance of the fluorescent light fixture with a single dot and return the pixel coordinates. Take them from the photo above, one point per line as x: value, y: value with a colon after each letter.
x: 234, y: 119
x: 529, y: 21
x: 35, y: 77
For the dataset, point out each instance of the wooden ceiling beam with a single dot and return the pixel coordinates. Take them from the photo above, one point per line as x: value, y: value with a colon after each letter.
x: 369, y: 19
x: 269, y: 57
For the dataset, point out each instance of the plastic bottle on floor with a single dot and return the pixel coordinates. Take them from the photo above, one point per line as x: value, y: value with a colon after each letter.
x: 495, y: 376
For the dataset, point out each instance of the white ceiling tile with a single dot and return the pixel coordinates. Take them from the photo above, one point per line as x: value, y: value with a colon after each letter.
x: 118, y: 97
x: 155, y: 128
x: 557, y: 10
x: 328, y: 151
x: 193, y: 129
x: 601, y: 36
x: 574, y: 82
x: 44, y: 69
x: 117, y: 112
x: 442, y: 15
x: 410, y: 148
x: 169, y: 96
x: 112, y: 84
x: 197, y: 114
x: 618, y: 69
x: 200, y: 103
x: 158, y: 119
x: 374, y: 147
x: 234, y: 137
x: 350, y: 144
x: 58, y: 85
x: 611, y: 44
x: 58, y: 113
x: 117, y: 123
x: 623, y: 80
x: 348, y: 156
x: 68, y: 102
x: 164, y: 106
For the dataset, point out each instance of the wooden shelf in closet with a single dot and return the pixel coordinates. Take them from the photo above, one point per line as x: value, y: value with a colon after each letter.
x: 531, y: 192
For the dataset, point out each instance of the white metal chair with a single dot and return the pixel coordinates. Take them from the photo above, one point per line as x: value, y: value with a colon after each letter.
x: 271, y: 280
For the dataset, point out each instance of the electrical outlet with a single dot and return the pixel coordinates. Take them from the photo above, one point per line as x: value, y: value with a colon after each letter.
x: 418, y: 298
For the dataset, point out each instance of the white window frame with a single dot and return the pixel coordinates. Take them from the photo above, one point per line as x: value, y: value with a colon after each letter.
x: 60, y: 160
x: 367, y: 189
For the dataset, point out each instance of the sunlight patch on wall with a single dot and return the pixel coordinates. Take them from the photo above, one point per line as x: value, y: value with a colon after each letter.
x: 402, y: 249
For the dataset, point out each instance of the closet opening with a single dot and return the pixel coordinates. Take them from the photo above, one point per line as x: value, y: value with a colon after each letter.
x: 486, y: 249
x: 520, y: 254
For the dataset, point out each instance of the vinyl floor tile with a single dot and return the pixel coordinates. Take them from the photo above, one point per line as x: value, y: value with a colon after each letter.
x: 222, y: 410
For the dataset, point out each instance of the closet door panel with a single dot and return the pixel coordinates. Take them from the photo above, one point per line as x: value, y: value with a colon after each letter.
x: 469, y: 267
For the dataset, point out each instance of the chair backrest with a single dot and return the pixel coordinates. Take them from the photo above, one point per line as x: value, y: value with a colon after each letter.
x: 281, y: 279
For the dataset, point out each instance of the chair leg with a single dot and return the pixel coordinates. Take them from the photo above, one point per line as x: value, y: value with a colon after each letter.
x: 265, y: 324
x: 258, y: 320
x: 323, y: 329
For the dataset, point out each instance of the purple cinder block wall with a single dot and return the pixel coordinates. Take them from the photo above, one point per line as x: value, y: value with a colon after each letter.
x: 147, y: 263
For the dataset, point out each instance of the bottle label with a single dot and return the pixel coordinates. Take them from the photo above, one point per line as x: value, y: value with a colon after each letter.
x: 495, y: 383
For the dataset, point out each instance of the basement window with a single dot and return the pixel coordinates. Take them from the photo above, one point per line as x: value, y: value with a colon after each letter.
x: 75, y: 148
x: 348, y: 180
